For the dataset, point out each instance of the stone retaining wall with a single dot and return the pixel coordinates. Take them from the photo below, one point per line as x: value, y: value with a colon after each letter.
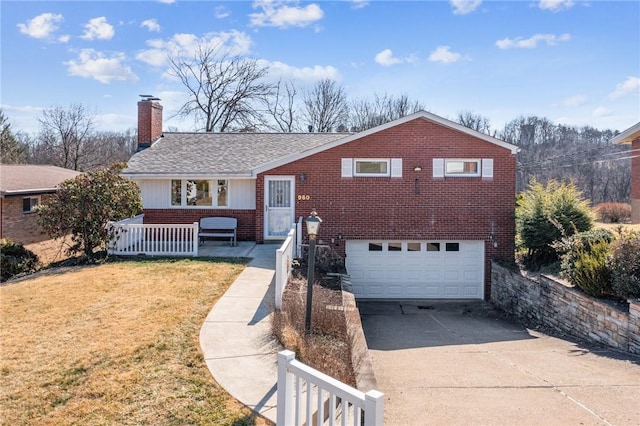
x: 552, y: 303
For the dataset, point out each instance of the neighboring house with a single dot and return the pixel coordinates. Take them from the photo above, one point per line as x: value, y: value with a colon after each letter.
x: 22, y: 188
x: 632, y: 136
x: 419, y: 206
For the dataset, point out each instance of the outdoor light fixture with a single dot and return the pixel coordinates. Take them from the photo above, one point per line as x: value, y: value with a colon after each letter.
x: 303, y: 178
x: 417, y: 169
x: 313, y: 225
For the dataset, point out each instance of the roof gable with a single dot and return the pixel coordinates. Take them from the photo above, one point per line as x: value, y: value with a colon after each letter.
x: 418, y: 115
x: 628, y: 135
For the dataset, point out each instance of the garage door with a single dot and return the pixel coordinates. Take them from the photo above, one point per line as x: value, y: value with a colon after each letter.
x: 416, y: 269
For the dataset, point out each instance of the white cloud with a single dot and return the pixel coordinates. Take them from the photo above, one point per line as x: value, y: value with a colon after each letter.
x: 94, y: 64
x: 601, y: 112
x: 41, y: 26
x: 151, y: 25
x: 221, y: 12
x: 359, y: 4
x: 167, y: 1
x: 386, y: 58
x: 279, y: 14
x: 576, y: 100
x: 463, y: 7
x: 225, y: 43
x: 630, y: 86
x: 555, y: 5
x: 305, y: 74
x: 532, y: 42
x: 98, y: 28
x: 64, y: 38
x: 445, y: 55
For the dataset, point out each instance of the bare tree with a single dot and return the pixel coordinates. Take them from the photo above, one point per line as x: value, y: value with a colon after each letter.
x: 475, y: 122
x: 326, y: 108
x: 12, y: 151
x: 281, y: 107
x: 366, y: 114
x: 65, y: 135
x: 224, y: 91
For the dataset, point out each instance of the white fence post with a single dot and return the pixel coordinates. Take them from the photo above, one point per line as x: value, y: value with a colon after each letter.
x: 373, y: 408
x: 195, y: 239
x: 299, y: 238
x: 285, y: 405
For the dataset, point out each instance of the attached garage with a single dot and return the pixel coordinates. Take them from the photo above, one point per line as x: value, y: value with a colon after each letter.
x: 416, y: 269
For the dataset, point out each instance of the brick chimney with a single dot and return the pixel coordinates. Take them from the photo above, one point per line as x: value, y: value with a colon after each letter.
x: 149, y: 121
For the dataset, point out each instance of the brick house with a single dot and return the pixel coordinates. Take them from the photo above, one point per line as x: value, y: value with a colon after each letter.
x: 631, y: 136
x: 22, y: 188
x: 419, y: 206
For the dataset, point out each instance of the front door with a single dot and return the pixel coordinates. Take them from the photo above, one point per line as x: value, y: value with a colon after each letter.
x: 278, y: 206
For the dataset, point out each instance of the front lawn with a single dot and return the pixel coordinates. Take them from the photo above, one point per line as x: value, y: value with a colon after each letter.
x: 114, y: 344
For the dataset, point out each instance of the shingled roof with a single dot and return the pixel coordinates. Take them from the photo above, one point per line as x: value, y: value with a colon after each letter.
x: 220, y: 154
x: 18, y: 179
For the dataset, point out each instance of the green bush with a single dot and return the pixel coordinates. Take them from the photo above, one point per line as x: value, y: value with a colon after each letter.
x: 625, y: 265
x: 613, y: 212
x: 584, y: 261
x: 15, y: 259
x: 545, y: 215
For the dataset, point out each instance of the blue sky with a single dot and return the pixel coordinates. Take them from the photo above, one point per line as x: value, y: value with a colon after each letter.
x: 574, y: 62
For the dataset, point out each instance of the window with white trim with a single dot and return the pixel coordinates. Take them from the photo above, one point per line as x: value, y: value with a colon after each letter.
x: 463, y: 167
x: 29, y: 204
x: 467, y: 168
x: 199, y: 193
x: 371, y: 167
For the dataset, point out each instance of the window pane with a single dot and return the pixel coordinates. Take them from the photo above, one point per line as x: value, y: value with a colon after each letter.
x: 453, y: 247
x: 375, y: 246
x: 461, y: 167
x: 433, y: 246
x: 199, y: 193
x: 222, y: 193
x: 413, y: 246
x: 395, y: 246
x: 29, y: 204
x: 176, y: 192
x: 371, y: 167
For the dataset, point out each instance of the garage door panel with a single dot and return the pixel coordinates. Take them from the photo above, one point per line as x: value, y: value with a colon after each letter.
x: 457, y: 273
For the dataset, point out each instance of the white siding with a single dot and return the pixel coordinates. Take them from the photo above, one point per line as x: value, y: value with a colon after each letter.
x: 156, y: 194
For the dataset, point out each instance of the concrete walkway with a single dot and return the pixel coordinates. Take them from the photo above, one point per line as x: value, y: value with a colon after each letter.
x: 236, y: 336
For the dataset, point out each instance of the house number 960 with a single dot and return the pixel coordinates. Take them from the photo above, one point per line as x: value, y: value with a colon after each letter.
x: 304, y: 197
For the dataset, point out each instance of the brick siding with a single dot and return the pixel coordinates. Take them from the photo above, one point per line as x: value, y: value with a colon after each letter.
x: 246, y: 218
x: 19, y: 226
x: 389, y: 208
x: 149, y: 122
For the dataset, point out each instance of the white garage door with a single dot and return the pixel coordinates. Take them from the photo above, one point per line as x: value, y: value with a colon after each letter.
x: 416, y: 269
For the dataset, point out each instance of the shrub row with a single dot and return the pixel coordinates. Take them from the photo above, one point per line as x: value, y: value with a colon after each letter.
x: 15, y: 259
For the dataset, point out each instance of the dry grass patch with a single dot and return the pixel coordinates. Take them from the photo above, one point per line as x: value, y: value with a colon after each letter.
x: 114, y: 344
x: 614, y: 227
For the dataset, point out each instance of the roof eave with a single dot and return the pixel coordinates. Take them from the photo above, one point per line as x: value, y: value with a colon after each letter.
x: 628, y: 136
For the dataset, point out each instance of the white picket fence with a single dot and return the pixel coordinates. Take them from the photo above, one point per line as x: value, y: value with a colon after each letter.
x: 132, y: 237
x: 289, y: 250
x: 308, y: 397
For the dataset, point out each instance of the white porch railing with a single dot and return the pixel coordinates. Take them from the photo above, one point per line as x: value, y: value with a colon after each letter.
x: 131, y: 237
x: 309, y: 397
x: 284, y: 256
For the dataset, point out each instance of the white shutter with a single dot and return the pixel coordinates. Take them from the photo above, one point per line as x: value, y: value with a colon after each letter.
x: 347, y: 167
x: 487, y: 167
x: 396, y: 167
x: 438, y: 167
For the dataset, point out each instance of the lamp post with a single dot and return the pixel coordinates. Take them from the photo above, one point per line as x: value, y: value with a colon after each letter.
x: 313, y: 225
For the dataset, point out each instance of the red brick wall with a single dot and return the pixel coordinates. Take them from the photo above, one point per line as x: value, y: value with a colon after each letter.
x: 390, y: 208
x: 149, y: 122
x: 18, y: 226
x: 246, y: 218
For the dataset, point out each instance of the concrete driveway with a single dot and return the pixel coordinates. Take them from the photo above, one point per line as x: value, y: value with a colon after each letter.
x: 447, y: 363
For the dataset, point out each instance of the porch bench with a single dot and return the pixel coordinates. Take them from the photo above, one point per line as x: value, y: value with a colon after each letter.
x: 218, y: 227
